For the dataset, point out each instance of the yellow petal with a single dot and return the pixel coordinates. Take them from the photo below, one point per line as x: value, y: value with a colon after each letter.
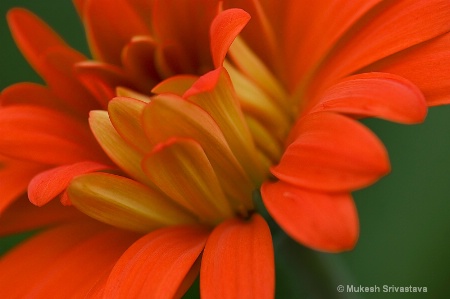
x: 215, y: 94
x: 123, y: 155
x: 176, y: 85
x: 169, y: 115
x: 125, y: 115
x: 125, y: 203
x: 181, y: 169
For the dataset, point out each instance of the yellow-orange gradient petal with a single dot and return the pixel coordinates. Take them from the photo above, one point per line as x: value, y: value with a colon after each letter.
x: 124, y: 203
x: 181, y: 169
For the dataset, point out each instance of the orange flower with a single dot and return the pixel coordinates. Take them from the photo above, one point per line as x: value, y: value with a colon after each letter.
x: 229, y: 112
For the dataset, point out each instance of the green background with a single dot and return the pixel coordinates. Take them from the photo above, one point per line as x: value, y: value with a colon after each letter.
x: 404, y: 218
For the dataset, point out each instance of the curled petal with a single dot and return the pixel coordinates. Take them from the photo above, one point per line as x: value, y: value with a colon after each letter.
x: 48, y: 184
x: 331, y: 152
x: 376, y: 95
x: 322, y: 221
x: 224, y: 29
x: 238, y: 261
x: 159, y: 265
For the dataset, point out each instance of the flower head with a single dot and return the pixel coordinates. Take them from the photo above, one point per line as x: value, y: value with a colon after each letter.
x: 194, y: 107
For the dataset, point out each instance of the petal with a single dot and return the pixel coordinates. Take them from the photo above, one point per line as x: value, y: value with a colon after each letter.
x: 332, y: 152
x: 138, y: 61
x: 14, y: 178
x: 120, y: 152
x: 426, y: 65
x: 181, y: 169
x: 158, y: 264
x: 238, y: 261
x: 310, y: 30
x: 214, y: 93
x: 397, y: 26
x: 184, y: 43
x: 178, y: 85
x: 32, y: 35
x: 125, y: 115
x: 46, y: 136
x: 124, y: 203
x: 29, y: 93
x: 105, y: 30
x: 322, y: 221
x: 224, y: 29
x: 80, y: 255
x: 22, y: 216
x: 167, y: 116
x: 376, y: 95
x: 48, y: 184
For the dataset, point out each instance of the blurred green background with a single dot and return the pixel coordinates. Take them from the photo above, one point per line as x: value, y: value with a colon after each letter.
x: 404, y: 218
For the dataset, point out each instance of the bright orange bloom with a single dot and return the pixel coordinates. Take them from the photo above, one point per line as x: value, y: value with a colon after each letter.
x: 194, y: 106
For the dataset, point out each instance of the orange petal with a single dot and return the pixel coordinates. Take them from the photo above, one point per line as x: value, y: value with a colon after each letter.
x: 32, y: 35
x: 183, y: 163
x: 398, y: 26
x: 322, y: 221
x: 79, y: 256
x: 332, y: 152
x: 238, y: 261
x: 124, y: 203
x: 106, y: 33
x: 42, y: 135
x: 224, y: 29
x: 158, y: 264
x: 22, y: 216
x: 29, y: 93
x: 138, y: 61
x: 190, y: 121
x: 310, y: 30
x: 182, y: 40
x: 376, y: 95
x: 125, y: 115
x: 48, y: 184
x: 426, y: 65
x: 14, y: 178
x: 214, y: 92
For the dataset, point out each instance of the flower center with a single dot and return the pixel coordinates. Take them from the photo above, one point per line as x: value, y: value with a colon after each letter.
x: 195, y: 152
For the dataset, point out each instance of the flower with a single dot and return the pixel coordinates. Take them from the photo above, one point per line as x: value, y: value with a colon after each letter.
x: 272, y: 104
